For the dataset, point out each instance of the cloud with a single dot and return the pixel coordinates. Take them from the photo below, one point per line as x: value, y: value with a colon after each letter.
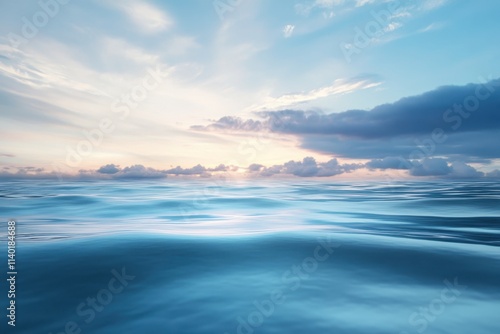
x: 452, y: 121
x: 431, y: 167
x: 121, y: 49
x: 196, y: 170
x: 392, y: 26
x: 36, y: 70
x: 112, y: 171
x: 109, y: 169
x: 387, y: 163
x: 30, y: 170
x: 409, y: 116
x: 200, y: 170
x: 339, y: 87
x: 288, y: 30
x: 432, y: 4
x: 223, y: 168
x: 361, y: 3
x: 427, y: 167
x: 255, y: 167
x: 431, y: 27
x: 306, y: 7
x: 232, y: 123
x: 462, y: 170
x: 145, y: 16
x: 138, y: 172
x: 467, y: 146
x: 440, y: 167
x: 308, y: 167
x: 493, y: 174
x: 331, y: 8
x: 327, y: 3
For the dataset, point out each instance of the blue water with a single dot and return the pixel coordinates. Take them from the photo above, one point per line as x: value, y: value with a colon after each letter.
x: 253, y: 257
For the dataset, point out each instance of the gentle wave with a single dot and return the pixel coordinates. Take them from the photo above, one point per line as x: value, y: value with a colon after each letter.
x: 208, y: 259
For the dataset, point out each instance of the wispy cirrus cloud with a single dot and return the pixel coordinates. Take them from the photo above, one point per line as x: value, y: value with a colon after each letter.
x: 306, y: 7
x: 339, y: 87
x: 120, y: 48
x: 432, y: 4
x: 431, y: 27
x: 145, y: 16
x: 33, y: 70
x: 423, y: 5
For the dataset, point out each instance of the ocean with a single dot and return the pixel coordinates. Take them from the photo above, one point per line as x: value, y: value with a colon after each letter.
x: 280, y: 256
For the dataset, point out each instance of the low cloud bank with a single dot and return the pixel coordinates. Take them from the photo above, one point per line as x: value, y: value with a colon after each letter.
x: 307, y: 167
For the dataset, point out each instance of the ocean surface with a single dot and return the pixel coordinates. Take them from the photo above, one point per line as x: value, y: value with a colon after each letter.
x: 176, y: 256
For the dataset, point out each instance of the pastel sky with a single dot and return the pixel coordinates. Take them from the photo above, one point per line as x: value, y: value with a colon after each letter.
x: 306, y: 88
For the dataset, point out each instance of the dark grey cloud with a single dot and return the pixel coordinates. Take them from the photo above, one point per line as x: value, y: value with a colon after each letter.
x: 461, y: 169
x: 255, y: 167
x: 196, y: 170
x: 388, y: 163
x: 139, y: 171
x: 458, y: 122
x: 272, y: 170
x: 473, y: 146
x: 130, y: 172
x: 431, y: 167
x: 440, y: 167
x: 459, y: 108
x: 426, y: 167
x: 30, y: 170
x: 109, y: 169
x: 222, y: 168
x: 494, y: 174
x: 308, y: 167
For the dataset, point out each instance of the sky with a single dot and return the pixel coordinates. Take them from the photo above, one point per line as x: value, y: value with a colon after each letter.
x: 300, y: 88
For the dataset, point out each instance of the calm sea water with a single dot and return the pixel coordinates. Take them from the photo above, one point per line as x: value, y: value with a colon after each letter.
x: 249, y: 257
